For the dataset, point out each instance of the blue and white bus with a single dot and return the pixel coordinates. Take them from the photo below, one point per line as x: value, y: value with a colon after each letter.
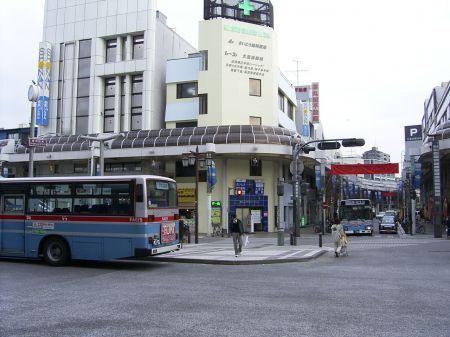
x: 356, y: 216
x: 88, y: 218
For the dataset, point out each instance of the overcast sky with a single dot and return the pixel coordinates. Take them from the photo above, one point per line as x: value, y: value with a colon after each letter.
x: 376, y: 61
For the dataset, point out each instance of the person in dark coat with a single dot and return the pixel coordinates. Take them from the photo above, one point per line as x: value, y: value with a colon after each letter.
x: 237, y: 230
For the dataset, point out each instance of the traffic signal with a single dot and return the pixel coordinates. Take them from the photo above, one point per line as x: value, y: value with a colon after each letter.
x: 239, y: 192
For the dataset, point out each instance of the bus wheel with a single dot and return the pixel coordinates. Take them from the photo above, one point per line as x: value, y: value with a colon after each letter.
x: 56, y: 252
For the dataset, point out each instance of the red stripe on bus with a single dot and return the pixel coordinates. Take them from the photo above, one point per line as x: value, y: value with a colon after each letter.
x: 72, y: 218
x: 12, y: 217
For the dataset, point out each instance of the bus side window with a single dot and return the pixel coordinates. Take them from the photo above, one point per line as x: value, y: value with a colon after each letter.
x: 139, y: 193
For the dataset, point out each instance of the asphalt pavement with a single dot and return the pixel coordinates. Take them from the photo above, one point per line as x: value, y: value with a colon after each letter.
x: 386, y: 287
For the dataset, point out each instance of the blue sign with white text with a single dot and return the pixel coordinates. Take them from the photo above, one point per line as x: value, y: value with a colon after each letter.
x: 42, y: 108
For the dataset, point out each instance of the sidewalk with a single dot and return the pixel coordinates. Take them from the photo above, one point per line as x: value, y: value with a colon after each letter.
x: 261, y: 250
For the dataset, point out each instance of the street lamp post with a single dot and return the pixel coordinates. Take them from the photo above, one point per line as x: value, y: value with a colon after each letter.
x: 101, y: 139
x: 33, y: 96
x: 193, y: 159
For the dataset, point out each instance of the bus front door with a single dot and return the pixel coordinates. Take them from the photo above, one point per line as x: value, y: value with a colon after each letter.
x: 12, y: 225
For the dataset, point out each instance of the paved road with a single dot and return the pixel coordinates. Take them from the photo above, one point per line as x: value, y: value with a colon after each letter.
x: 391, y: 289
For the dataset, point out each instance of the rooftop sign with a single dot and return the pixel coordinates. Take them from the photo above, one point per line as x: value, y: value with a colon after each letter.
x: 258, y: 12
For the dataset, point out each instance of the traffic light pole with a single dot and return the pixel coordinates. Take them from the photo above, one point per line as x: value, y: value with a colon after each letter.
x: 297, y: 150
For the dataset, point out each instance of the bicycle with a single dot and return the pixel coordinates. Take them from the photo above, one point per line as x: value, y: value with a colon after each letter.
x: 217, y: 231
x: 420, y: 228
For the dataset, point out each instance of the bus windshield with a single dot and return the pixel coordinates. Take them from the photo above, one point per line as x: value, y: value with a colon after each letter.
x: 356, y: 213
x: 161, y: 194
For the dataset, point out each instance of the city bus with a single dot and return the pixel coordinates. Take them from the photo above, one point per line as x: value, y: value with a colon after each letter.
x: 356, y: 216
x: 88, y: 218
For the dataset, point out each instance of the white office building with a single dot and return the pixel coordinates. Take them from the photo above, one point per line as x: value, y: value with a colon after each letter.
x: 107, y: 65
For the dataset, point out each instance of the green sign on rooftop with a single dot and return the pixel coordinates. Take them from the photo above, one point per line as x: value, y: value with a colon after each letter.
x: 247, y: 6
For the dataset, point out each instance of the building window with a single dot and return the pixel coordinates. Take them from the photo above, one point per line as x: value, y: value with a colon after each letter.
x: 85, y: 49
x: 80, y: 168
x: 124, y: 48
x: 123, y: 168
x: 203, y: 104
x: 187, y: 90
x: 110, y: 97
x: 204, y: 64
x: 290, y: 110
x: 111, y: 50
x: 181, y: 125
x: 255, y: 120
x: 281, y: 101
x: 184, y: 172
x: 83, y: 86
x: 60, y: 88
x: 255, y: 167
x: 136, y: 102
x: 123, y: 107
x: 138, y: 47
x: 255, y: 87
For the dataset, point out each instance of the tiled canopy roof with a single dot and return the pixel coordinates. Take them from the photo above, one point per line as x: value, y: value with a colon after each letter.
x: 234, y: 134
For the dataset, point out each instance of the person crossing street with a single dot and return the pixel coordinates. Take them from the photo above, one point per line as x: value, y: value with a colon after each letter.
x: 237, y: 230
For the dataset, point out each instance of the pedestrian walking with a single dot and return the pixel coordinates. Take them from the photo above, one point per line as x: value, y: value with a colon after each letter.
x: 181, y: 230
x: 237, y: 230
x: 445, y: 216
x: 339, y: 237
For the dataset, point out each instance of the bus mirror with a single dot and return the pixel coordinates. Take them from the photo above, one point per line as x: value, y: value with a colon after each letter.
x: 139, y: 193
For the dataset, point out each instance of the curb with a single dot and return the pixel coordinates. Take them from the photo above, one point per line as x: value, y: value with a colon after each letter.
x: 237, y: 262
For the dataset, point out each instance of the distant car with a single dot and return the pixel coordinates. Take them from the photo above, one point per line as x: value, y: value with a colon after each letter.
x: 380, y: 216
x: 388, y: 224
x: 391, y: 212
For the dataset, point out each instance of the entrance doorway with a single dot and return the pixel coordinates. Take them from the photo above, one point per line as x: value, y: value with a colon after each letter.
x: 251, y: 219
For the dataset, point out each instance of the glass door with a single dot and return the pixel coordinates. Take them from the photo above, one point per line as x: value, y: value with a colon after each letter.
x: 12, y: 234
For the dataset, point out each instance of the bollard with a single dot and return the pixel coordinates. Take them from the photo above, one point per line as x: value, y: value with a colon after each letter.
x: 189, y: 236
x: 320, y: 240
x: 294, y: 240
x: 280, y: 237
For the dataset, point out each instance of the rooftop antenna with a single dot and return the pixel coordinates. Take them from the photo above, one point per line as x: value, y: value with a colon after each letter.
x: 298, y: 70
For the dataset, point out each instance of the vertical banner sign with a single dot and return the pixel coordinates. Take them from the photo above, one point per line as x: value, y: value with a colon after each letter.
x: 303, y: 94
x: 318, y: 171
x: 315, y: 103
x: 212, y: 176
x: 436, y: 170
x: 335, y: 183
x: 417, y: 175
x: 43, y: 82
x: 306, y: 132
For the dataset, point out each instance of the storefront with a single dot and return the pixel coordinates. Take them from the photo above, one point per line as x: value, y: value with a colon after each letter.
x: 250, y: 205
x: 186, y: 205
